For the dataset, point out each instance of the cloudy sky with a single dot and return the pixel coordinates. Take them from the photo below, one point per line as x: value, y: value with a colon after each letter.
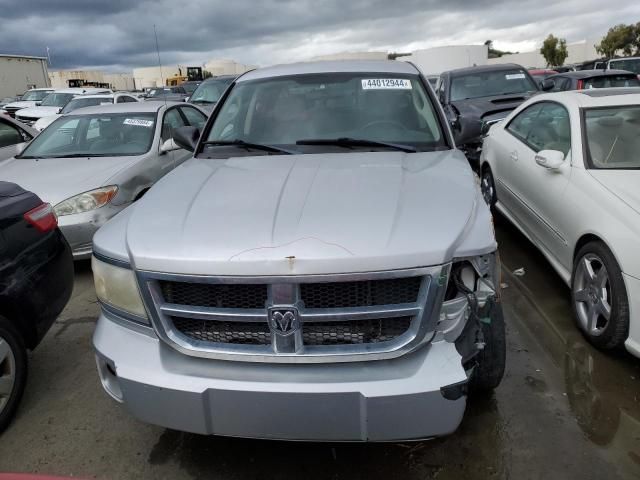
x: 117, y: 35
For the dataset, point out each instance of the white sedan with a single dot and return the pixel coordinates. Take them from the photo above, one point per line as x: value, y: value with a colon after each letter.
x: 565, y: 169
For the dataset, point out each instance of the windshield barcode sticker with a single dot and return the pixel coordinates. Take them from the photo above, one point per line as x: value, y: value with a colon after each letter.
x: 514, y: 76
x: 386, y: 84
x: 138, y: 122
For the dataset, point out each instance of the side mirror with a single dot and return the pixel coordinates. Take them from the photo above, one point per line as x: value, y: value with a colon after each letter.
x: 169, y: 146
x: 550, y: 159
x: 455, y: 124
x: 38, y: 103
x: 186, y: 99
x: 186, y: 137
x: 20, y: 148
x: 547, y: 84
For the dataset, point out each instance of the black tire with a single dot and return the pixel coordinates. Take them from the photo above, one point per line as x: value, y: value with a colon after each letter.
x: 9, y: 335
x: 616, y: 331
x: 491, y: 360
x: 488, y: 186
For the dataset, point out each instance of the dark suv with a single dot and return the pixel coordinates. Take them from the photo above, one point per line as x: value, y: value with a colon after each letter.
x: 36, y: 280
x: 475, y: 96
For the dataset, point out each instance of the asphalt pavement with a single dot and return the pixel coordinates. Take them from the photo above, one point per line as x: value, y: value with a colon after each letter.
x: 564, y: 410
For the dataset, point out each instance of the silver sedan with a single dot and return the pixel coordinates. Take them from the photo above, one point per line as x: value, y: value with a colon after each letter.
x: 95, y: 162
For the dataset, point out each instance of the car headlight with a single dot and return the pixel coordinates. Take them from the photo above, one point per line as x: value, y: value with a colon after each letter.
x: 86, y: 201
x: 116, y: 287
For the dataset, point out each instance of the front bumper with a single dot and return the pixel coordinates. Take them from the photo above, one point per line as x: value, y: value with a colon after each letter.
x: 633, y: 291
x: 390, y: 400
x: 79, y: 228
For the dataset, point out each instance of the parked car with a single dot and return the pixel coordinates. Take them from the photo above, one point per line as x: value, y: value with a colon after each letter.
x: 13, y: 137
x: 630, y: 64
x: 190, y: 86
x: 94, y: 162
x: 475, y: 96
x: 170, y: 94
x: 209, y: 92
x: 86, y: 101
x: 5, y: 101
x: 300, y: 262
x: 36, y: 280
x: 30, y: 98
x: 564, y: 168
x: 541, y: 74
x: 54, y: 103
x: 585, y: 79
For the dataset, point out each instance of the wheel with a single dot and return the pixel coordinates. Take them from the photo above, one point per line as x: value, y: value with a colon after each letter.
x: 488, y: 186
x: 491, y: 360
x: 599, y: 297
x: 13, y: 371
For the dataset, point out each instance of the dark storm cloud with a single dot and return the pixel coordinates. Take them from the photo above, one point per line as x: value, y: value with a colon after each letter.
x: 119, y: 34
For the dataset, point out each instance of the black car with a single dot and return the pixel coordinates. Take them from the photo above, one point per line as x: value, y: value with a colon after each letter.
x: 475, y: 96
x: 586, y: 79
x: 209, y: 92
x: 36, y: 280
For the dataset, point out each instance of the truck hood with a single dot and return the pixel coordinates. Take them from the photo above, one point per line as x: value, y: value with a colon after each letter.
x: 303, y: 214
x: 37, y: 112
x: 56, y: 179
x: 621, y: 183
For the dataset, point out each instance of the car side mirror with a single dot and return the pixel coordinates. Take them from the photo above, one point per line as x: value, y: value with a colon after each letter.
x: 38, y: 103
x: 550, y: 159
x: 484, y: 129
x: 169, y: 146
x: 547, y: 84
x: 455, y: 123
x: 186, y: 137
x: 20, y: 148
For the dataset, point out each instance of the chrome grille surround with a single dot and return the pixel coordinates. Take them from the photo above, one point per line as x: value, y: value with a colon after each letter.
x: 284, y: 292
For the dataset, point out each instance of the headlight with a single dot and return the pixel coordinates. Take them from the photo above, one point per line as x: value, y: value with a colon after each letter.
x: 86, y: 201
x: 117, y: 287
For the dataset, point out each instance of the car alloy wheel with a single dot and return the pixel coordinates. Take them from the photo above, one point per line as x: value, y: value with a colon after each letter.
x: 487, y: 187
x: 592, y: 294
x: 7, y: 373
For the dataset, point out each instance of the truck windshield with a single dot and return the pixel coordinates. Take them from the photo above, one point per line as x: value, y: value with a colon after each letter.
x: 57, y: 99
x: 490, y: 84
x: 315, y: 109
x: 613, y: 137
x: 98, y: 135
x: 35, y: 95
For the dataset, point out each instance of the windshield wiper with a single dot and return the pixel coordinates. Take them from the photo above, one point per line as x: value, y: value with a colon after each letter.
x: 79, y: 155
x: 248, y: 145
x: 356, y: 142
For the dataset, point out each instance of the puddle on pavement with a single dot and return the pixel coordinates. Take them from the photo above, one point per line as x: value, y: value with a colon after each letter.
x: 603, y: 388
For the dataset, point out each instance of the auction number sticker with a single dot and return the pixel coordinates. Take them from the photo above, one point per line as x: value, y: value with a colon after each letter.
x: 138, y: 122
x: 386, y: 84
x: 514, y: 76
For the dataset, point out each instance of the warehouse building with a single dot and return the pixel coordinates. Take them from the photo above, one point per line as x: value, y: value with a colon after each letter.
x: 67, y: 78
x: 19, y: 73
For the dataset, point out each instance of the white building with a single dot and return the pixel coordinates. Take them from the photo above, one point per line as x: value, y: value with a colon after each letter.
x: 579, y: 52
x: 226, y: 67
x: 19, y: 73
x: 117, y: 81
x: 433, y: 61
x: 353, y: 56
x: 149, y: 77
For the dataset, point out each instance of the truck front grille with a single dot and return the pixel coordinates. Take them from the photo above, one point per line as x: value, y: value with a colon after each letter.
x: 329, y: 317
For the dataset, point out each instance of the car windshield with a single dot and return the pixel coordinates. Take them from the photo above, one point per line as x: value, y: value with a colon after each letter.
x: 85, y: 102
x: 628, y: 64
x: 613, y: 137
x: 57, y: 99
x: 607, y: 81
x: 374, y: 107
x: 35, y: 95
x: 209, y: 92
x: 158, y: 92
x: 96, y: 135
x: 490, y: 83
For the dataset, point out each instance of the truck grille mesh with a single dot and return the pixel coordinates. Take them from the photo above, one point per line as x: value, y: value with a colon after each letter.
x: 215, y: 295
x: 224, y: 332
x: 360, y: 294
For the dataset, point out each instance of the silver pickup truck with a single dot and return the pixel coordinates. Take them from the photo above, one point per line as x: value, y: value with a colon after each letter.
x: 323, y: 268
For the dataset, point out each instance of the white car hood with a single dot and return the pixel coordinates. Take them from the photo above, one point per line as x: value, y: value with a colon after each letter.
x: 37, y: 112
x: 624, y: 184
x: 304, y: 214
x: 21, y: 104
x: 56, y: 179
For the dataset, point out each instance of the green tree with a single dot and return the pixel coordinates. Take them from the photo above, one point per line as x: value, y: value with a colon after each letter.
x: 554, y: 50
x: 624, y: 38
